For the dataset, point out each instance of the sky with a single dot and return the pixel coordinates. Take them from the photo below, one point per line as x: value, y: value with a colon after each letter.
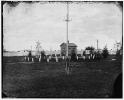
x: 25, y: 24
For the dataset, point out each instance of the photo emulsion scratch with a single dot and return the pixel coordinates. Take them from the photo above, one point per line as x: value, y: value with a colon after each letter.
x: 62, y: 49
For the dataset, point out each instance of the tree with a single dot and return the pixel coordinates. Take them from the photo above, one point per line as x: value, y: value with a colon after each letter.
x: 38, y: 48
x: 84, y: 53
x: 89, y: 48
x: 117, y: 45
x: 119, y: 48
x: 43, y: 54
x: 105, y: 52
x: 29, y: 55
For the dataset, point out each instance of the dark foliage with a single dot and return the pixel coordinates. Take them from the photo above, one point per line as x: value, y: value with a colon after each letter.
x: 43, y: 56
x: 105, y: 52
x: 118, y: 52
x: 98, y: 56
x: 29, y: 55
x: 89, y: 48
x: 84, y: 53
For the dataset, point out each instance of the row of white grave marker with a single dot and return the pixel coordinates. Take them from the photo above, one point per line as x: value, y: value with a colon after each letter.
x: 28, y: 59
x: 56, y: 58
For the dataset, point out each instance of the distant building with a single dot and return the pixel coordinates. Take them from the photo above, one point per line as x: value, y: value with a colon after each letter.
x: 71, y: 47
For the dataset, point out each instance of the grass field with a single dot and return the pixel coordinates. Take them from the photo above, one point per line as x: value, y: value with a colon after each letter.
x: 86, y: 80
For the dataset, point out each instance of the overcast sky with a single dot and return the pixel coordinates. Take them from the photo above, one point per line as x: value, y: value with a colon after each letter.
x: 26, y: 23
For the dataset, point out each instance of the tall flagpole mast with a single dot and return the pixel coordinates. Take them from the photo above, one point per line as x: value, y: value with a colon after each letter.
x: 67, y: 20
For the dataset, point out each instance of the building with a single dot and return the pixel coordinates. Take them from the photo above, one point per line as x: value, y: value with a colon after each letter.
x: 71, y: 47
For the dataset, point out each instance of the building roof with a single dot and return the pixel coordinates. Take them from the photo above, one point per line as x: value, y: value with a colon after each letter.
x: 69, y: 44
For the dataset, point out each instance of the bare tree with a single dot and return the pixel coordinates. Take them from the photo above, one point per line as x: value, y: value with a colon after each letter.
x: 38, y: 48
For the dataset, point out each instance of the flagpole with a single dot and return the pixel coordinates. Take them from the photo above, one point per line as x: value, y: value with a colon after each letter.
x: 67, y: 28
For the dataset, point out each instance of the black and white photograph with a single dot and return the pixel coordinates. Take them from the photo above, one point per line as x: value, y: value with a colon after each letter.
x: 62, y: 49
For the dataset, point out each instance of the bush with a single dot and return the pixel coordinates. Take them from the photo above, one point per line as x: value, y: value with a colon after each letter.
x: 90, y: 48
x: 84, y: 53
x: 105, y: 52
x: 29, y: 55
x: 43, y: 55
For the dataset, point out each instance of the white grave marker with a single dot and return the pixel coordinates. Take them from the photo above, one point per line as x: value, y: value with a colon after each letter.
x: 32, y: 60
x: 39, y: 59
x: 93, y: 56
x: 28, y: 58
x: 56, y: 59
x: 89, y: 57
x: 47, y: 59
x: 63, y: 57
x: 77, y: 57
x: 25, y: 58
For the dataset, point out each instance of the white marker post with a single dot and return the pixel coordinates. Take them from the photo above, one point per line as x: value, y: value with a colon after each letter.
x: 93, y: 56
x: 77, y: 57
x: 28, y: 58
x: 56, y: 59
x: 25, y: 58
x: 39, y: 59
x: 63, y: 57
x: 89, y: 57
x: 32, y: 59
x: 47, y: 59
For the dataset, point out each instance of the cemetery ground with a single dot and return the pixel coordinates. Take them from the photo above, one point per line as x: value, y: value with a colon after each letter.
x: 94, y: 79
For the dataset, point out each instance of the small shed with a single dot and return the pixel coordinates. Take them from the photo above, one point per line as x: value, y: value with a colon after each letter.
x: 71, y: 47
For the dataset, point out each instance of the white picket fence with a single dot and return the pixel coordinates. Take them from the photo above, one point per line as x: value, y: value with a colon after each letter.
x: 25, y: 53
